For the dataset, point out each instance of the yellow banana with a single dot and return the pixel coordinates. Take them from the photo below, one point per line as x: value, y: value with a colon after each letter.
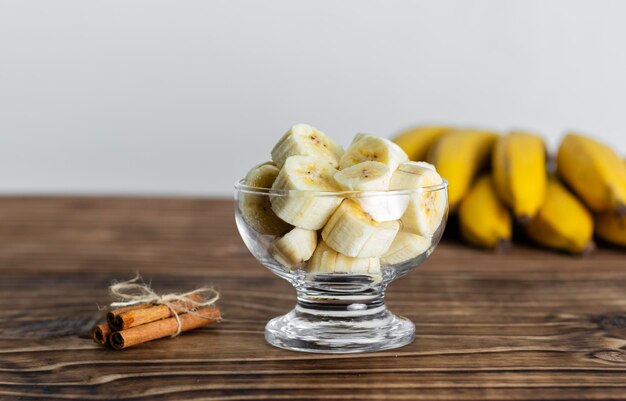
x: 611, y: 227
x: 483, y: 219
x: 519, y: 173
x: 458, y: 156
x: 416, y: 141
x: 562, y: 222
x: 594, y: 171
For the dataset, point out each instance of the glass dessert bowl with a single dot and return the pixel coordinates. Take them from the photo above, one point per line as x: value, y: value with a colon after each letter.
x: 340, y: 259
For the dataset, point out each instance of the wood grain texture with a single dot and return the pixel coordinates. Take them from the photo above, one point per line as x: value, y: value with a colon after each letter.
x: 527, y: 325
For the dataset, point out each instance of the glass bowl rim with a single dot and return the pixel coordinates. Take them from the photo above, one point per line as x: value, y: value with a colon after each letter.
x: 249, y: 189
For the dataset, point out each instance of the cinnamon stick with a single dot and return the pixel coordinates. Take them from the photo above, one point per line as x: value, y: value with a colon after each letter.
x: 136, y: 317
x: 163, y: 328
x: 100, y: 333
x: 112, y: 314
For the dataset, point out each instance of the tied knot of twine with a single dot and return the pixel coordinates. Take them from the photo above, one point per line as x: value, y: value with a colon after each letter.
x: 135, y: 292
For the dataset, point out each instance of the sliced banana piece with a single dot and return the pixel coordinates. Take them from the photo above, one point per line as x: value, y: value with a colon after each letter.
x: 314, y: 265
x: 425, y: 165
x: 327, y: 260
x: 405, y: 246
x: 354, y: 233
x: 357, y: 137
x: 294, y: 198
x: 373, y: 176
x: 427, y: 208
x: 256, y: 209
x: 365, y: 176
x: 365, y: 147
x: 304, y: 140
x: 295, y: 247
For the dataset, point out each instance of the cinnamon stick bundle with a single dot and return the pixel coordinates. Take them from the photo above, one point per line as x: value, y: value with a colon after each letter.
x: 163, y: 328
x: 153, y: 316
x: 121, y: 320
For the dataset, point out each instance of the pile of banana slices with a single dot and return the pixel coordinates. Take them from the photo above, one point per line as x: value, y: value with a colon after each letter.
x: 330, y: 211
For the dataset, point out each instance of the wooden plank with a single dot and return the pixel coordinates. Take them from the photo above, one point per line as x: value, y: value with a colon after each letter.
x: 526, y: 325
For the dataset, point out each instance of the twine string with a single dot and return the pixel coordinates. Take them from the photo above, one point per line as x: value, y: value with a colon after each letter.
x: 135, y: 292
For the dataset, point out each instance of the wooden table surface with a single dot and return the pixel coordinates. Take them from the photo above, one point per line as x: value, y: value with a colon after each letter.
x: 529, y: 324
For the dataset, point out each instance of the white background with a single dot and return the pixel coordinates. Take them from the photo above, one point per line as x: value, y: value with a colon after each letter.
x: 182, y: 97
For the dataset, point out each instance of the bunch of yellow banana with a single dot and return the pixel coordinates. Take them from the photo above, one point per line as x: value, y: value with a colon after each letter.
x: 496, y: 181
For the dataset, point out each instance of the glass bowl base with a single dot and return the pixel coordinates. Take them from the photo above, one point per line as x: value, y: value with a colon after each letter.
x: 341, y: 332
